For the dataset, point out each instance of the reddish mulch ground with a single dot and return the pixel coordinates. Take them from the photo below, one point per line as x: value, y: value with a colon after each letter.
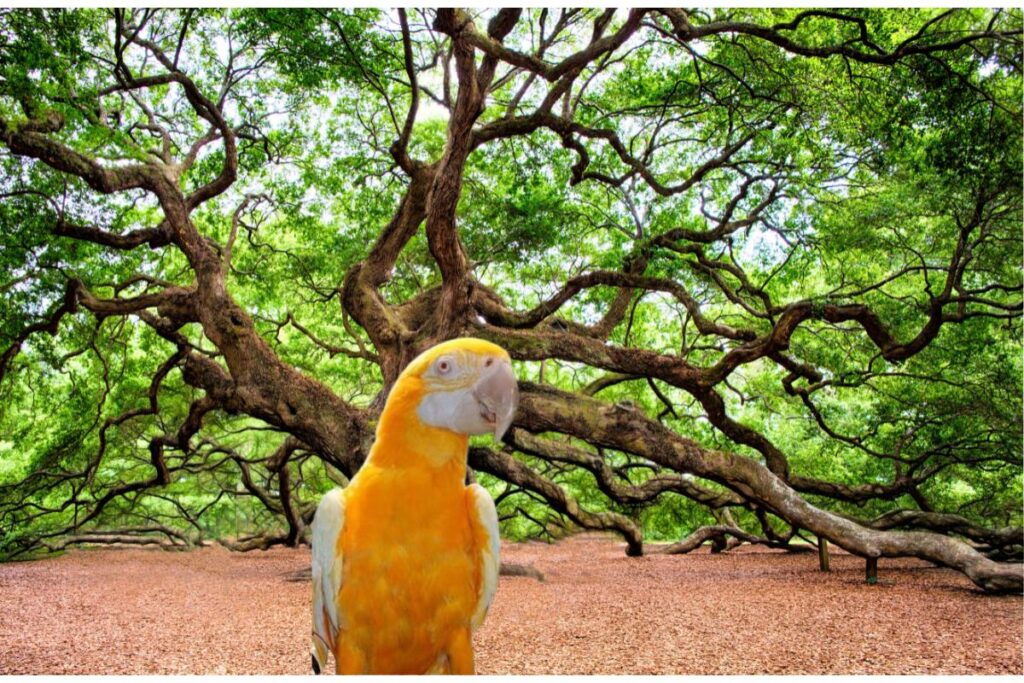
x: 751, y: 612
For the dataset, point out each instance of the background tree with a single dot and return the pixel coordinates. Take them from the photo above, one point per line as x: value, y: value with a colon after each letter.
x: 760, y: 269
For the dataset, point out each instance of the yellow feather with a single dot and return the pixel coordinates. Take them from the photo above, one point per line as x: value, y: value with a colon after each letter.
x: 419, y: 563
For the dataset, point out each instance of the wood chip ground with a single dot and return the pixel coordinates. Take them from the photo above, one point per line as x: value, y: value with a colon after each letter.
x: 133, y: 611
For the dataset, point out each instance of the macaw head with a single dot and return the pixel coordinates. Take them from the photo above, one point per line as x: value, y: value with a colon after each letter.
x: 464, y: 385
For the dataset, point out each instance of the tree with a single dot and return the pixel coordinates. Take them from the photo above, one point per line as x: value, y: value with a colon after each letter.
x: 761, y: 267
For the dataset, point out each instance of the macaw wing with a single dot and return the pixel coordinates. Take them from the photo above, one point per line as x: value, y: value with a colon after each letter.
x: 485, y: 522
x: 327, y: 565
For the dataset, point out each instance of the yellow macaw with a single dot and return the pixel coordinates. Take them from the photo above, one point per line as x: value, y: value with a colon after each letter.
x: 405, y: 558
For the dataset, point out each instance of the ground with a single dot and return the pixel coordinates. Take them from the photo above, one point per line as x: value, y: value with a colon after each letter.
x: 116, y: 611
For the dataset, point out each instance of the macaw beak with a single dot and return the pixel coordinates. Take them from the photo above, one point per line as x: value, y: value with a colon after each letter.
x: 497, y: 395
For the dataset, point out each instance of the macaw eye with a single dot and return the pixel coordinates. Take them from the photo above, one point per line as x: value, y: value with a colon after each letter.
x: 443, y: 366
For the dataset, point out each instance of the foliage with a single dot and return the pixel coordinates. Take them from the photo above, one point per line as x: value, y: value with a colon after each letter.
x: 856, y: 183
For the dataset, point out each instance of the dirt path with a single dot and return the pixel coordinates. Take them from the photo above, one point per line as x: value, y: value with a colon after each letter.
x: 211, y: 611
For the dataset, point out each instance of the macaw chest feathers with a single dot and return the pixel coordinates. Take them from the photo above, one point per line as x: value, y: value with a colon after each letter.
x: 410, y: 577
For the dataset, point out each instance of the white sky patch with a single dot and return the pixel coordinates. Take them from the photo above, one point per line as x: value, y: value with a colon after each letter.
x: 429, y: 110
x: 987, y: 68
x: 764, y: 245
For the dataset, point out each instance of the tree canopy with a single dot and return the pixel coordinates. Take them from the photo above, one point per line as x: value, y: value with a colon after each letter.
x: 759, y: 270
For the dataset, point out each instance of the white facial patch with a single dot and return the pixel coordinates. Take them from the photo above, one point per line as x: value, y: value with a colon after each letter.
x: 456, y: 410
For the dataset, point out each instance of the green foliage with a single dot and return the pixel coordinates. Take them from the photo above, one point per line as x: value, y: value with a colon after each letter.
x: 877, y: 167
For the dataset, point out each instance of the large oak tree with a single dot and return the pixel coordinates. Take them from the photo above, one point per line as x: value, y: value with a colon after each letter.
x: 759, y: 269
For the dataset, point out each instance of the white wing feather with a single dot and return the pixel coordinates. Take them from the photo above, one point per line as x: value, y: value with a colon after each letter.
x: 487, y: 517
x: 327, y: 566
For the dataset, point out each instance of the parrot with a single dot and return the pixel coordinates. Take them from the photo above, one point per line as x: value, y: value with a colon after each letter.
x: 405, y: 558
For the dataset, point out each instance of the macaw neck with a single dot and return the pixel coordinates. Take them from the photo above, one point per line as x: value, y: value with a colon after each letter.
x: 403, y: 440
